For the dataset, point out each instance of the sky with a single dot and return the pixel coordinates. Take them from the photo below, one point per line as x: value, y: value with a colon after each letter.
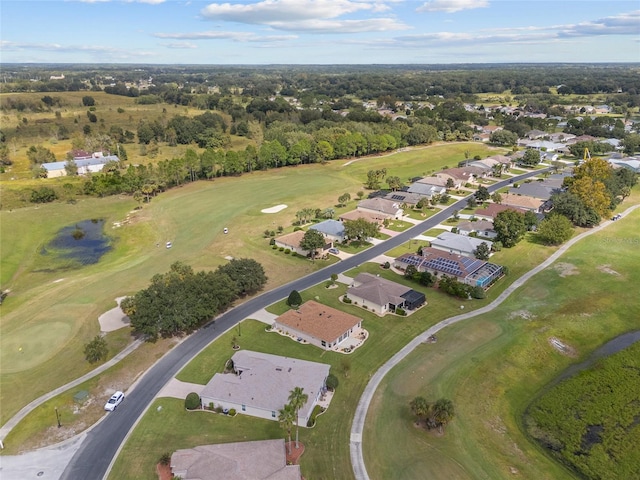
x: 259, y: 32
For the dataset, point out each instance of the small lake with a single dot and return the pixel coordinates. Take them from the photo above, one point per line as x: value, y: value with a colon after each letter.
x: 82, y: 243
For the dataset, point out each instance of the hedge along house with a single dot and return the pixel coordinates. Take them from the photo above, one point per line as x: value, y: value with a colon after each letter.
x: 260, y: 385
x: 318, y: 324
x: 383, y: 296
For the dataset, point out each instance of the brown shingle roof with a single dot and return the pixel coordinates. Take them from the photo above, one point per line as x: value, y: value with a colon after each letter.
x: 319, y: 321
x: 495, y: 208
x: 522, y: 201
x: 292, y: 239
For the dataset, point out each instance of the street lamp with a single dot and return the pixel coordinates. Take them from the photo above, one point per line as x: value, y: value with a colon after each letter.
x: 58, y: 417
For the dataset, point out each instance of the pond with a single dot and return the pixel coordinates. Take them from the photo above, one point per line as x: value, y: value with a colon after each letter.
x: 82, y: 243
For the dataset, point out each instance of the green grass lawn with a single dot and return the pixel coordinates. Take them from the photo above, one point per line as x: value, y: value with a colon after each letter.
x: 398, y: 225
x: 492, y: 366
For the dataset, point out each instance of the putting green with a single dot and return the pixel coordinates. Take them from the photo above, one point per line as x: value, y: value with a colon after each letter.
x: 28, y: 347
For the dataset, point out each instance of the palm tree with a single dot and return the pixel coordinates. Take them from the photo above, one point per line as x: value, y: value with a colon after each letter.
x: 420, y: 407
x: 443, y: 412
x: 286, y: 418
x: 297, y: 399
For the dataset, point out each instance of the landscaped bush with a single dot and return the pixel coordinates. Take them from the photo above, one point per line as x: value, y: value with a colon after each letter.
x: 272, y: 241
x: 211, y: 406
x: 274, y: 247
x: 192, y: 401
x: 165, y: 458
x: 232, y: 412
x: 281, y: 249
x: 287, y: 251
x: 332, y: 382
x: 346, y: 299
x: 400, y: 311
x: 317, y: 410
x: 386, y: 265
x: 218, y: 409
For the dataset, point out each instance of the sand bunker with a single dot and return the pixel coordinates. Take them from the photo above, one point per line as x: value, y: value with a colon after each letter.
x: 275, y: 209
x: 114, y: 318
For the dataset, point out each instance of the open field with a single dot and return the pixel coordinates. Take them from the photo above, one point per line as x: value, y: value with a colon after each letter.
x: 492, y: 366
x: 68, y: 302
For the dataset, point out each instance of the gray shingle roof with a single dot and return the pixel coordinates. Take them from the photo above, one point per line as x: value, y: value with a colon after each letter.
x: 266, y: 381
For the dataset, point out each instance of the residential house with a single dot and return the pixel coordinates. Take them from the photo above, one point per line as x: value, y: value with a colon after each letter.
x: 84, y: 165
x: 292, y: 242
x: 470, y: 271
x: 458, y: 244
x: 256, y: 460
x: 426, y: 190
x: 460, y: 175
x: 535, y: 134
x: 632, y: 163
x: 381, y: 206
x: 523, y: 202
x: 439, y: 181
x: 371, y: 217
x: 333, y: 230
x: 482, y: 228
x: 403, y: 197
x: 493, y: 209
x: 318, y: 324
x: 534, y: 189
x: 260, y: 384
x: 383, y: 296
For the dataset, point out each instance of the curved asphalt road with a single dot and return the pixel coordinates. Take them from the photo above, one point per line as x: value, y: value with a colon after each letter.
x: 94, y: 457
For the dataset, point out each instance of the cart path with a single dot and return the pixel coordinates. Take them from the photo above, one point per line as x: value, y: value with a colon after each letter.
x: 357, y: 428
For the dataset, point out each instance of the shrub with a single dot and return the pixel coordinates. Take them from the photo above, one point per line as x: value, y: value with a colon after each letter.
x: 218, y: 409
x: 387, y: 265
x: 192, y: 401
x: 43, y: 195
x: 232, y: 412
x: 346, y: 299
x: 400, y: 311
x: 274, y: 247
x: 297, y: 229
x: 165, y: 458
x: 477, y: 292
x: 281, y: 249
x: 211, y: 406
x: 272, y: 241
x: 332, y: 382
x: 272, y: 233
x: 294, y: 299
x: 287, y: 251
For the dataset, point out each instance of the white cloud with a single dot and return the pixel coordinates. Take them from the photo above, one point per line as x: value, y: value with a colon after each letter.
x: 307, y: 15
x: 180, y: 45
x: 451, y: 6
x: 221, y: 35
x: 623, y: 24
x: 104, y: 51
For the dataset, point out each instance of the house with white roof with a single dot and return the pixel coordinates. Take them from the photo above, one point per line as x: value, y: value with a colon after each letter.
x: 458, y: 244
x: 332, y: 230
x: 255, y: 460
x: 260, y: 385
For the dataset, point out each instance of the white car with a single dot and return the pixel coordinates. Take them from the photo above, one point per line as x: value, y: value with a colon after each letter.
x: 115, y: 400
x: 169, y: 244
